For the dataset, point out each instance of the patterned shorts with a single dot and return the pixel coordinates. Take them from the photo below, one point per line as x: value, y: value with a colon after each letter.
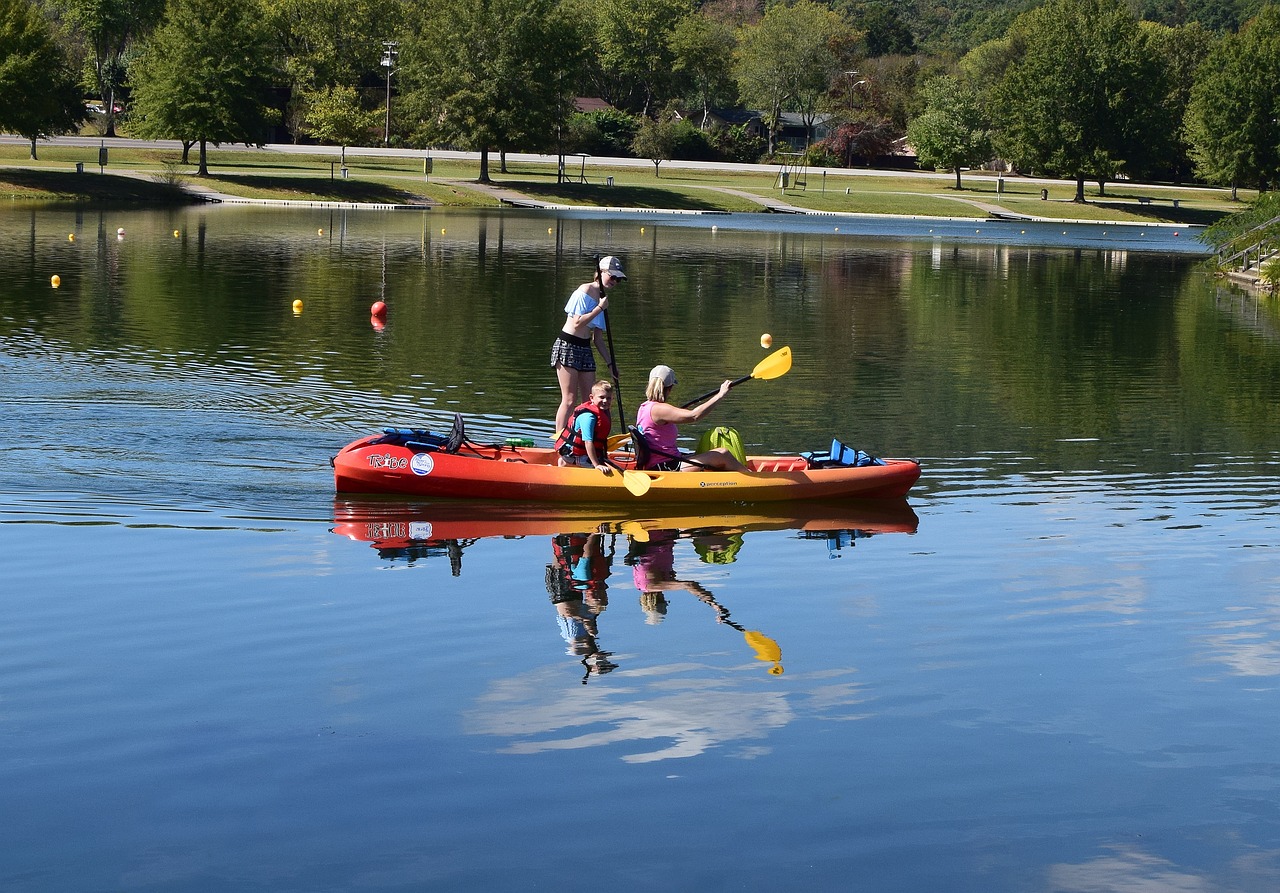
x: 573, y: 352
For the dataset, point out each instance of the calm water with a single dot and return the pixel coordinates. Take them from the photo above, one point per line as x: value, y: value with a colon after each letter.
x: 1053, y: 669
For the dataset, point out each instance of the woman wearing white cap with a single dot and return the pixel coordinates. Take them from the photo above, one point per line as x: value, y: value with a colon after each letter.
x: 658, y: 420
x: 584, y: 323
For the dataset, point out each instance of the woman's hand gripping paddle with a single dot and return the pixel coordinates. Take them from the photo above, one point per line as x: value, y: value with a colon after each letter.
x: 775, y: 365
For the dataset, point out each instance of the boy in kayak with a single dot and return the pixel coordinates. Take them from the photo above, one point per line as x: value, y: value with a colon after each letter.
x: 584, y: 440
x: 659, y: 421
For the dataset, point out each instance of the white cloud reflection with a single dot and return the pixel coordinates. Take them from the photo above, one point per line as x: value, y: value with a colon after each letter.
x: 668, y: 712
x: 1127, y: 871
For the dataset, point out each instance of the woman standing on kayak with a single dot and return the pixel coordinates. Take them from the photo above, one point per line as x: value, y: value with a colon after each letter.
x: 658, y: 422
x: 571, y: 354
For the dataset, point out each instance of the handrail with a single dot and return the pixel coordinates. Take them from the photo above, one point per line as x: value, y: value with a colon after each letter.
x: 1264, y: 246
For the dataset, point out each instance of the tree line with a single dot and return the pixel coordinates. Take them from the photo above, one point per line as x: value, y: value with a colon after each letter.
x: 1090, y: 90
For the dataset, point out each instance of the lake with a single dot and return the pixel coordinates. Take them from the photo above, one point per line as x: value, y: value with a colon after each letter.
x: 1054, y: 667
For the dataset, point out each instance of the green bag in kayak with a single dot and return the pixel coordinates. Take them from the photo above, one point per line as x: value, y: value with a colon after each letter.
x: 721, y: 436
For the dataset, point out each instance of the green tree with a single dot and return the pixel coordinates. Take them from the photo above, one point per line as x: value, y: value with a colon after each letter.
x: 1079, y: 101
x: 655, y: 140
x: 110, y: 28
x: 334, y: 115
x: 204, y: 75
x: 790, y: 57
x: 631, y: 42
x: 1181, y: 50
x: 490, y: 74
x: 330, y: 43
x: 703, y: 58
x: 39, y: 96
x: 953, y: 131
x: 1232, y: 116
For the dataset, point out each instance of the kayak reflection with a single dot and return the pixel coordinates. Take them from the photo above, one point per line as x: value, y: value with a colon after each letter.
x: 415, y: 531
x: 585, y: 549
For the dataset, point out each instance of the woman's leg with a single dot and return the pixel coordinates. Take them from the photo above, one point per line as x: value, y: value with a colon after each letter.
x: 718, y: 459
x: 568, y: 387
x: 575, y: 386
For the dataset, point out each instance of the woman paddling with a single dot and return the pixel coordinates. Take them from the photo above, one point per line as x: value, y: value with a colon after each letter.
x: 658, y: 422
x: 571, y: 354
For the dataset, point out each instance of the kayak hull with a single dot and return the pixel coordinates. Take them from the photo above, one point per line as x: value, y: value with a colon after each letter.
x: 531, y: 474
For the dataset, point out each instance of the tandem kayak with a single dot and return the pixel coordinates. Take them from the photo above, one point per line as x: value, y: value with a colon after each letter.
x: 411, y: 462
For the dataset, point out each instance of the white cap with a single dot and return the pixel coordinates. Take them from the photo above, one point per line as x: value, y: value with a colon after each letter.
x: 664, y: 374
x: 612, y: 266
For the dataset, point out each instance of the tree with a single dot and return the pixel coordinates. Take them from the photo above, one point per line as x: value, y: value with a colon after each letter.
x: 328, y: 43
x: 1181, y: 51
x: 1079, y: 99
x: 790, y: 56
x: 632, y: 45
x: 335, y: 116
x: 1232, y: 116
x: 655, y: 140
x: 490, y: 74
x: 39, y: 96
x: 953, y: 131
x: 703, y: 58
x: 110, y: 28
x: 204, y: 75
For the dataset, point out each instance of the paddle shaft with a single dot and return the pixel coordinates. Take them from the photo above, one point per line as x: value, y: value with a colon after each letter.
x: 613, y: 365
x: 696, y: 400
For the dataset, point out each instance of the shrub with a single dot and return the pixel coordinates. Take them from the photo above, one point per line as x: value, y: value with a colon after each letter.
x: 606, y: 132
x: 738, y: 144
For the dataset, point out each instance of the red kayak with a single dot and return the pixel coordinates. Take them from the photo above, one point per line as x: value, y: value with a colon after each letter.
x: 412, y: 462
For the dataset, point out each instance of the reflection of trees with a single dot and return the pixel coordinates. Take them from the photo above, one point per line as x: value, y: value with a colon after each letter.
x: 942, y: 349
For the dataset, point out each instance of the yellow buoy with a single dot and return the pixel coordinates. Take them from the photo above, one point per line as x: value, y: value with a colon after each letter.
x: 442, y: 232
x: 320, y: 232
x: 766, y: 340
x: 71, y: 237
x: 297, y: 306
x: 176, y: 234
x: 55, y: 280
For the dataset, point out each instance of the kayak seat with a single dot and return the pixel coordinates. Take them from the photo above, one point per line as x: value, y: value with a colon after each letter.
x: 643, y: 454
x: 457, y: 435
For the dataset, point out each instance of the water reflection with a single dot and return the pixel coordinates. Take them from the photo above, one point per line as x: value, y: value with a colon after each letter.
x: 412, y: 532
x: 653, y: 564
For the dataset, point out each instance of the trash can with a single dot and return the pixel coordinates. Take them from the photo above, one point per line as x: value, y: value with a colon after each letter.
x: 79, y: 167
x: 786, y: 178
x: 344, y: 173
x: 608, y: 181
x: 1044, y: 195
x: 999, y: 185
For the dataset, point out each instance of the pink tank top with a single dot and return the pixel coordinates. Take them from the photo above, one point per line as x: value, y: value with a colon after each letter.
x: 661, y: 438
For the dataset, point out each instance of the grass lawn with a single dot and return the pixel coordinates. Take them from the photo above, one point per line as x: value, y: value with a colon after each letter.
x: 307, y: 177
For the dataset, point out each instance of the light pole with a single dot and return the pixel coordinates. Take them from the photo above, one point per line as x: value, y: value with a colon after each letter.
x: 390, y: 51
x: 853, y: 85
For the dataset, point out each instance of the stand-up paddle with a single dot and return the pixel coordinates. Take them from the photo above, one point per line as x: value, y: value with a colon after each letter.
x: 775, y: 365
x: 637, y: 482
x: 613, y: 366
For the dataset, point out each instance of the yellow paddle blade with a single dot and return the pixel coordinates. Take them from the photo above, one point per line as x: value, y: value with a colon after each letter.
x: 618, y: 441
x: 636, y: 481
x: 774, y: 365
x: 765, y: 647
x: 635, y: 531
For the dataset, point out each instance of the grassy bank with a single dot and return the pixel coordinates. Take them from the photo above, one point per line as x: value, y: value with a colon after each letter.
x: 63, y: 187
x: 305, y: 177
